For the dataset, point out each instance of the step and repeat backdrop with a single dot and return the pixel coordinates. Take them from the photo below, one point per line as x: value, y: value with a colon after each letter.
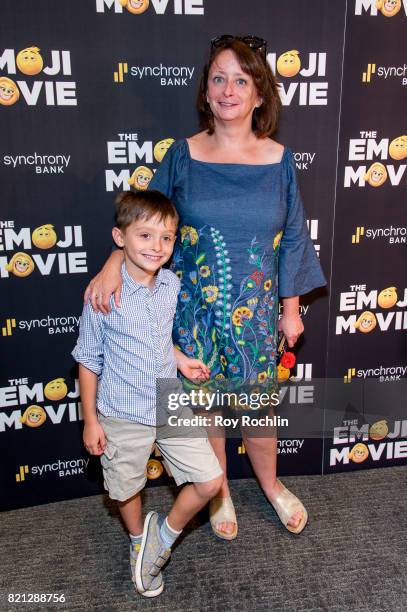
x: 92, y: 93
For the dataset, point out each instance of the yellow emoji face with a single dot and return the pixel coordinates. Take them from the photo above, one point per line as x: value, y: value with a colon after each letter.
x: 56, y: 389
x: 398, y: 148
x: 29, y: 61
x: 366, y: 322
x: 34, y: 416
x: 387, y: 298
x: 376, y: 175
x: 161, y: 148
x: 141, y: 177
x: 20, y: 264
x: 283, y: 373
x: 359, y: 453
x: 289, y: 63
x: 378, y: 430
x: 154, y: 469
x: 135, y: 6
x: 44, y: 237
x: 388, y: 8
x: 9, y: 92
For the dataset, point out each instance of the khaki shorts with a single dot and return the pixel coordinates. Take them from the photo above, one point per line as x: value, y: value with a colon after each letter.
x: 128, y: 449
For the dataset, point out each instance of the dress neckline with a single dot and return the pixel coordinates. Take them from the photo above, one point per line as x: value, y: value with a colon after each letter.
x: 207, y: 163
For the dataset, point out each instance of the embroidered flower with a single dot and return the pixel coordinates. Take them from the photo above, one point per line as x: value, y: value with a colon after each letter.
x: 229, y: 350
x: 241, y: 315
x: 194, y: 277
x: 189, y: 349
x: 233, y: 368
x: 277, y: 239
x: 184, y: 296
x: 267, y: 285
x: 210, y: 293
x: 189, y: 234
x: 182, y: 331
x: 220, y: 377
x: 261, y: 377
x: 257, y: 277
x: 204, y: 271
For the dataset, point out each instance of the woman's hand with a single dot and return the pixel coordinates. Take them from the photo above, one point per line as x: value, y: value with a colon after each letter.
x: 291, y: 323
x: 107, y: 282
x: 292, y: 328
x: 94, y: 438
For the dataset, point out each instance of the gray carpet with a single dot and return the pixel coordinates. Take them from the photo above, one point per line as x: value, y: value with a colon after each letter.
x: 352, y: 555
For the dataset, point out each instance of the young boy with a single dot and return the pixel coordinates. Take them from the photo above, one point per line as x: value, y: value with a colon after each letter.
x: 121, y: 355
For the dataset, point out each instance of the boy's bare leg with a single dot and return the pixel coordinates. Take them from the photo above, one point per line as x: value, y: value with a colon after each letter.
x: 131, y: 514
x: 191, y: 499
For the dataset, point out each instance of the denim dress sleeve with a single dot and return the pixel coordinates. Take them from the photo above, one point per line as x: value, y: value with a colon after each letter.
x: 170, y: 170
x: 299, y: 270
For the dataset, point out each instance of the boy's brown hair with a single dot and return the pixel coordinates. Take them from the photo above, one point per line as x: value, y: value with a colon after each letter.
x: 132, y: 206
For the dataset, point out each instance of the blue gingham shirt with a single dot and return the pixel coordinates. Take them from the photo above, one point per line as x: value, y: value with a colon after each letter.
x: 131, y: 347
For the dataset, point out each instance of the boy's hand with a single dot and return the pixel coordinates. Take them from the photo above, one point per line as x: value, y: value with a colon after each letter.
x: 94, y: 439
x: 194, y: 369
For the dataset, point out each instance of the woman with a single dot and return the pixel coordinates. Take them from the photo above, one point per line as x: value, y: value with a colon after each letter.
x: 243, y: 244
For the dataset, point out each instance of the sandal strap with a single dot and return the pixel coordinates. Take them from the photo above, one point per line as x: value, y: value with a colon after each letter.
x: 286, y: 505
x: 222, y: 510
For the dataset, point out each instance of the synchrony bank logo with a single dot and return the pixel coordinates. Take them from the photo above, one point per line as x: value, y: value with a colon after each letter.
x: 29, y: 62
x: 159, y: 7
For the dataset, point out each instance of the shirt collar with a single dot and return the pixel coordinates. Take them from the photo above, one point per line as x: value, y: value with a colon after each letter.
x: 130, y: 285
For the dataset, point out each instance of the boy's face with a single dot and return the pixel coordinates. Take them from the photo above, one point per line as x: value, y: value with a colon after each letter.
x: 148, y: 244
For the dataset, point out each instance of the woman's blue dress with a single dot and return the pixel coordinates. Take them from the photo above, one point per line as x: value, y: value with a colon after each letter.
x: 243, y: 242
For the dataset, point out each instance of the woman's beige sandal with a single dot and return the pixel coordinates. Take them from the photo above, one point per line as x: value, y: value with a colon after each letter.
x: 286, y: 505
x: 222, y: 510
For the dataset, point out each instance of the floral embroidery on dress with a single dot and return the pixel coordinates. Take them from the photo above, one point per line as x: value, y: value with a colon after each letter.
x: 233, y: 332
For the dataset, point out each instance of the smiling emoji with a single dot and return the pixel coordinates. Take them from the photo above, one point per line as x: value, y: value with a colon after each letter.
x: 44, y: 237
x: 141, y: 177
x: 398, y: 148
x: 29, y: 61
x: 359, y: 453
x: 135, y: 6
x: 388, y: 8
x: 154, y: 469
x: 289, y: 63
x: 376, y: 175
x: 9, y: 92
x: 20, y: 265
x: 378, y: 430
x: 162, y: 147
x: 56, y: 389
x: 34, y: 416
x: 387, y: 298
x: 366, y: 322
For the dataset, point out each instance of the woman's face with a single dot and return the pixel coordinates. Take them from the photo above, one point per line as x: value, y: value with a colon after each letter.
x: 231, y: 93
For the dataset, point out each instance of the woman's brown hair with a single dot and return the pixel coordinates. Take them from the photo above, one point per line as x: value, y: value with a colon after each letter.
x: 252, y: 62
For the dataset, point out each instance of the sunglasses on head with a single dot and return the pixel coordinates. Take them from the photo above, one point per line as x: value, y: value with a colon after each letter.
x: 254, y: 42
